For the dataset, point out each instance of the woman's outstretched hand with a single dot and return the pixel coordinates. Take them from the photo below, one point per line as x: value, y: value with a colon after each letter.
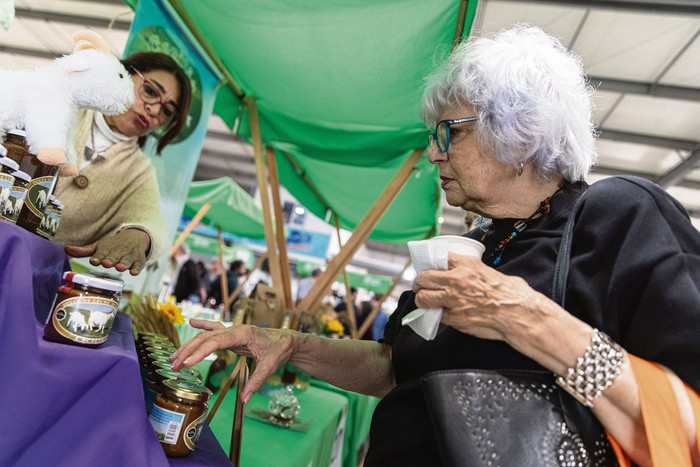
x: 270, y: 348
x: 125, y: 250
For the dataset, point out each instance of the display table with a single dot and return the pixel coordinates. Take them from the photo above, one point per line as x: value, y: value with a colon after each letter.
x: 265, y: 444
x: 62, y: 404
x: 359, y: 415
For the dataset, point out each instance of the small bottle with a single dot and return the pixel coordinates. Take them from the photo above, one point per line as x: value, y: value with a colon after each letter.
x: 18, y: 193
x: 84, y: 310
x: 177, y: 416
x: 40, y: 187
x: 7, y: 180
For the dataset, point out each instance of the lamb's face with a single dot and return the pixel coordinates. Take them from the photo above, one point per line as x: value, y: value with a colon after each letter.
x: 103, y: 85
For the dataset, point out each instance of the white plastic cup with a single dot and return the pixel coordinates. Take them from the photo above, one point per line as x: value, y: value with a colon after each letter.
x: 462, y: 245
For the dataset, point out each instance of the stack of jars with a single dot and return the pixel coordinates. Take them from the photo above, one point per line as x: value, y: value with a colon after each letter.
x: 27, y: 201
x: 175, y: 400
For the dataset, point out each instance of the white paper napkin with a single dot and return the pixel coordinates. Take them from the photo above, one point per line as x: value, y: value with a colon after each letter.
x: 426, y: 254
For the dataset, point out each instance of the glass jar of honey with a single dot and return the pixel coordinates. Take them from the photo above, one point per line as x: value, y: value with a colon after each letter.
x: 178, y: 414
x: 42, y: 179
x: 84, y: 310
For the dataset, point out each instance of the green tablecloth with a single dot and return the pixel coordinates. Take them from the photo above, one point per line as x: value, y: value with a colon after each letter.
x: 360, y: 411
x: 264, y: 444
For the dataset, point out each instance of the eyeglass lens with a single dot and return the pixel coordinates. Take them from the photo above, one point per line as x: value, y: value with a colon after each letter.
x: 150, y: 95
x: 442, y: 136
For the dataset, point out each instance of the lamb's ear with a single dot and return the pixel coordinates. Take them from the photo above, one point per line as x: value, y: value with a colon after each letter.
x: 74, y: 63
x: 91, y: 37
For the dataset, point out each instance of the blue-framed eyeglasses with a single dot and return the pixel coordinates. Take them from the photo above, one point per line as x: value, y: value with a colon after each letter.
x: 441, y: 135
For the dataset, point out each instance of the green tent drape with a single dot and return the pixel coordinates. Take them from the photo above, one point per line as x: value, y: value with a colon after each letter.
x: 338, y: 88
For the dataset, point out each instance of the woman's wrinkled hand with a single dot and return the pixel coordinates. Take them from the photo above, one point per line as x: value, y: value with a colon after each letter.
x: 126, y: 250
x: 480, y: 301
x: 270, y: 348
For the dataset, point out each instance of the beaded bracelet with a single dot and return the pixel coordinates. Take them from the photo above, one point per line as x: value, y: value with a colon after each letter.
x: 595, y: 371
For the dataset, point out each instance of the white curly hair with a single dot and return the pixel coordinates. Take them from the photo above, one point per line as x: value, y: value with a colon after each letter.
x: 531, y: 96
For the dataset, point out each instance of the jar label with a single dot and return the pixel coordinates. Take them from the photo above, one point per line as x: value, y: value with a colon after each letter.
x: 166, y: 423
x: 49, y: 223
x: 193, y: 431
x: 10, y: 209
x: 38, y: 191
x: 86, y: 320
x: 6, y: 182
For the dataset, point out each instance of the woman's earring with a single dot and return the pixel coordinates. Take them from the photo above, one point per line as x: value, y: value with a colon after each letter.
x: 520, y: 168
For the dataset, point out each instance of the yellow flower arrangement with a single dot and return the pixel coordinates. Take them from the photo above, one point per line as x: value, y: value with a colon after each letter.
x: 172, y: 312
x: 332, y: 326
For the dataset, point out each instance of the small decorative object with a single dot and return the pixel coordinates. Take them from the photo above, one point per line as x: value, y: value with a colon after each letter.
x: 284, y: 407
x: 45, y: 100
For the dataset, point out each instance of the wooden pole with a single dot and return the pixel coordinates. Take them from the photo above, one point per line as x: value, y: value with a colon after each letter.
x: 224, y: 273
x: 224, y: 390
x: 362, y: 231
x: 241, y: 283
x: 350, y: 305
x: 459, y: 27
x: 279, y: 224
x: 256, y: 136
x: 193, y: 223
x: 238, y: 413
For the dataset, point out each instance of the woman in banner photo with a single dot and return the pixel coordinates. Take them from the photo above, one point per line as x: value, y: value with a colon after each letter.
x: 112, y: 205
x: 514, y: 141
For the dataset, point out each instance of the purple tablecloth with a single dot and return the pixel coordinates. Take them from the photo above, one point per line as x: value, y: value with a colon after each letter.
x: 63, y: 404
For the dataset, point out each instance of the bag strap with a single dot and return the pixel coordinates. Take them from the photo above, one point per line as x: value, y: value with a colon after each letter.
x: 561, y: 268
x: 668, y: 444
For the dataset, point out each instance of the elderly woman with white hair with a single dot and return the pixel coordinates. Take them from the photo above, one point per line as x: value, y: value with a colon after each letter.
x: 513, y: 141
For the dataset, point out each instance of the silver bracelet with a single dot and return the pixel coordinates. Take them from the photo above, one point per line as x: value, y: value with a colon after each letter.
x: 595, y: 371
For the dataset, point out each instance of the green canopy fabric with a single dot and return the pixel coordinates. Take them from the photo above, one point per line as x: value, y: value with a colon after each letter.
x: 233, y: 209
x: 210, y: 246
x: 338, y: 88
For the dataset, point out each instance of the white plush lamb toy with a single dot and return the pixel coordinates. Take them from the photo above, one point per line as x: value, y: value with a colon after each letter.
x: 45, y: 100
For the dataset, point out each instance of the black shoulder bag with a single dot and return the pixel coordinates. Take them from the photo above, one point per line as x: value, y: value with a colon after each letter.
x: 515, y: 417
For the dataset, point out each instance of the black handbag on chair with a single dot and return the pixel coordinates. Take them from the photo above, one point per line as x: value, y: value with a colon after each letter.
x: 513, y: 418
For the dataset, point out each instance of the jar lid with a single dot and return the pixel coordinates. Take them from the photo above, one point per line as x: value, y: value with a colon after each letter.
x: 163, y: 364
x: 172, y: 374
x: 162, y: 358
x: 93, y: 281
x: 24, y: 176
x: 187, y: 390
x: 152, y: 334
x: 160, y: 347
x: 7, y: 162
x: 17, y: 132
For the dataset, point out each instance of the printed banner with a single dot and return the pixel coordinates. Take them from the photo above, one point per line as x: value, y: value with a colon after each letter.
x: 157, y: 28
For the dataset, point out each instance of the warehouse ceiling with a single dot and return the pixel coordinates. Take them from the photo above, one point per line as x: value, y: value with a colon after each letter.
x: 643, y: 58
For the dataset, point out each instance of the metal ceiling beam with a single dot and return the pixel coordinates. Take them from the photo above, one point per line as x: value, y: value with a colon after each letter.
x: 646, y: 89
x: 120, y: 24
x: 8, y: 49
x: 686, y: 166
x: 658, y: 141
x: 657, y: 6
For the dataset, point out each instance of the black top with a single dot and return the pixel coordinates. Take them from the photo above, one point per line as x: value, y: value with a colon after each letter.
x: 634, y: 274
x: 187, y: 281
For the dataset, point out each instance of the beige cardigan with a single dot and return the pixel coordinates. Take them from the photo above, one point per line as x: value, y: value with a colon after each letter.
x: 122, y: 192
